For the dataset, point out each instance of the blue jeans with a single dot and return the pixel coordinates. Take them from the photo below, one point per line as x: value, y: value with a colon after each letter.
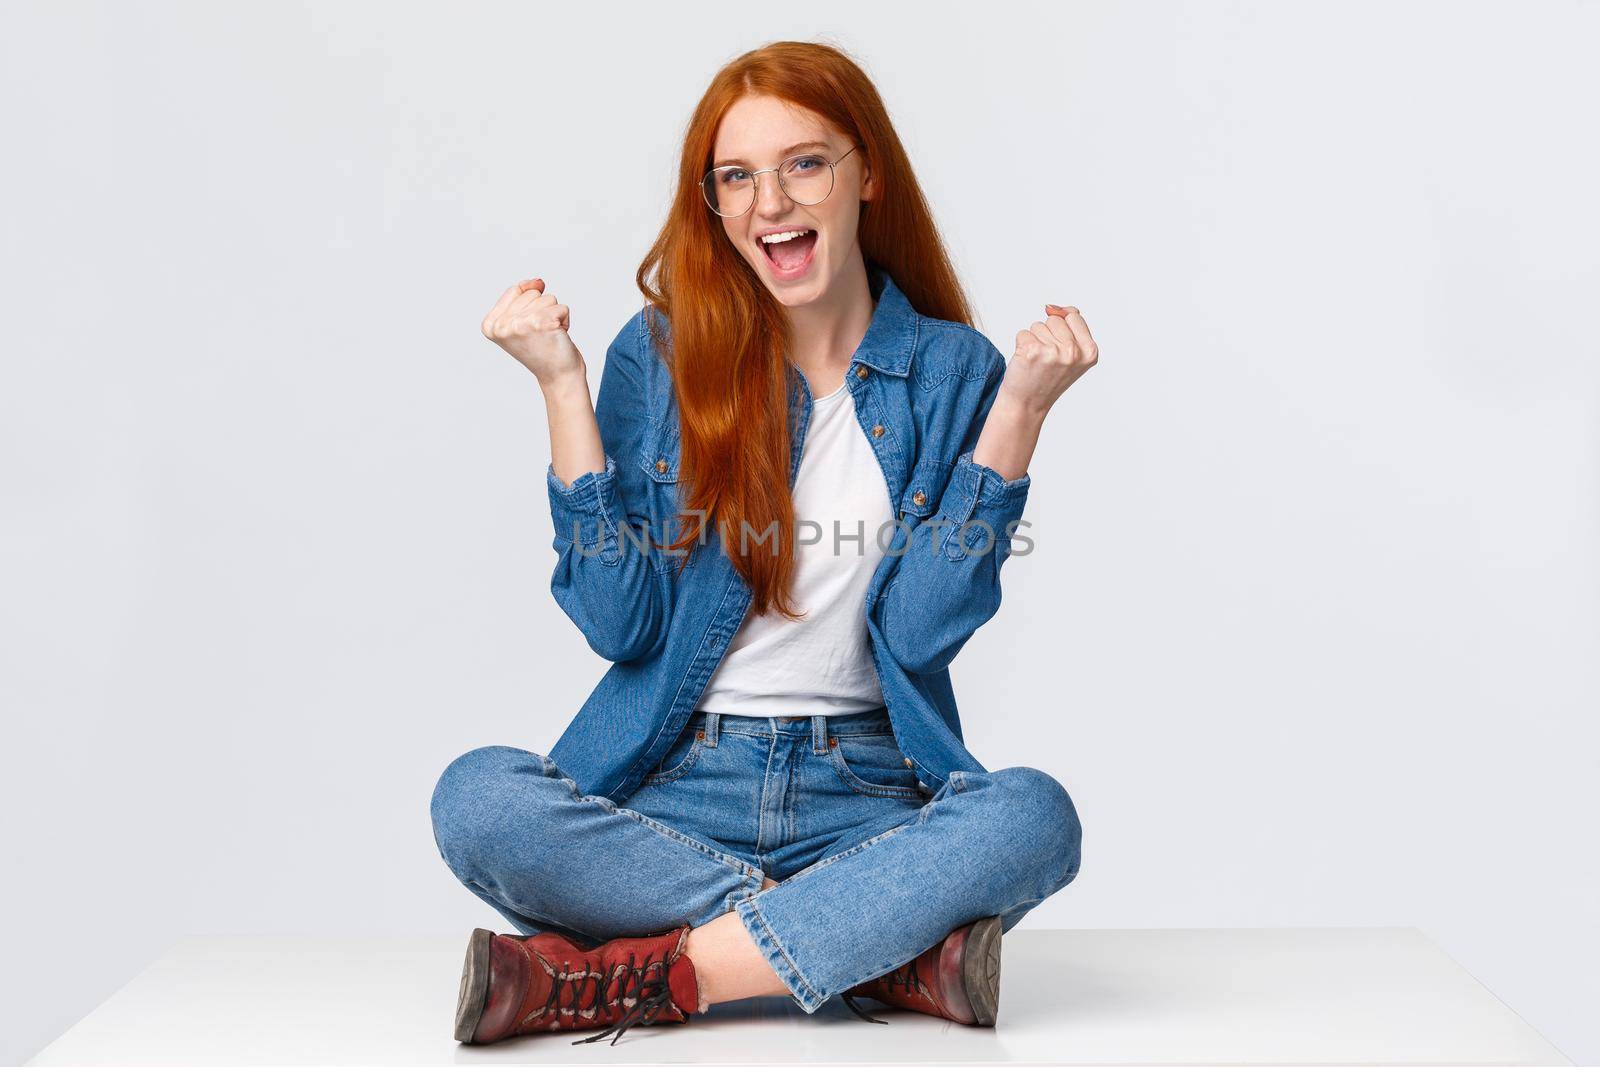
x: 872, y: 867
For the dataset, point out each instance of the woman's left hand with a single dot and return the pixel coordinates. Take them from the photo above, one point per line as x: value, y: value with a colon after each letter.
x: 1050, y: 356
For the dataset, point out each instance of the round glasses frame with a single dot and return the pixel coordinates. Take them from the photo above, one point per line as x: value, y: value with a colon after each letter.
x: 755, y: 180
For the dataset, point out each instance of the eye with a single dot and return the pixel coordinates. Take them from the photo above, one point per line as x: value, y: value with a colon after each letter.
x: 806, y: 164
x: 733, y: 176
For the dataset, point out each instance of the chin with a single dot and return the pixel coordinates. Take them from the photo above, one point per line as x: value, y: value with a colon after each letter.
x: 801, y: 293
x: 794, y: 298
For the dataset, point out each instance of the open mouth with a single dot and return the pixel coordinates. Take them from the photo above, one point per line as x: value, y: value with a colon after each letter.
x: 790, y: 255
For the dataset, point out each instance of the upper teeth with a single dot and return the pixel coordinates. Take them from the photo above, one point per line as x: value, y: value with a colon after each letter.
x: 786, y: 235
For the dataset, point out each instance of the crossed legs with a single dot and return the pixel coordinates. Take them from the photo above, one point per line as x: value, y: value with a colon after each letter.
x: 522, y: 837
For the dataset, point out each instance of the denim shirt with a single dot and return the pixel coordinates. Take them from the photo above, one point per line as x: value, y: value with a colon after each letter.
x: 922, y: 389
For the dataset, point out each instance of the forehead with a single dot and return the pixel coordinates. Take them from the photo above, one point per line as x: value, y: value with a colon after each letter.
x: 758, y: 127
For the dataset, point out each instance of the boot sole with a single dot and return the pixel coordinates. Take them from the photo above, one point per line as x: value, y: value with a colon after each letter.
x: 980, y: 970
x: 474, y: 985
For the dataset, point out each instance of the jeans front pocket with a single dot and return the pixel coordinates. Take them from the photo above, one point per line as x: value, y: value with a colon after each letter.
x: 680, y: 758
x: 872, y: 764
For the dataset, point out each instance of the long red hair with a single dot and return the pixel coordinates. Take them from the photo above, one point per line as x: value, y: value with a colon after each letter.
x: 729, y: 335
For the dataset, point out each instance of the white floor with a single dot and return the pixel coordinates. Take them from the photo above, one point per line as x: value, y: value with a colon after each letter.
x: 1254, y: 996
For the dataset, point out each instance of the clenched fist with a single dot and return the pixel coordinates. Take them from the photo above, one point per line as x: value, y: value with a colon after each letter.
x: 528, y: 322
x: 1050, y: 356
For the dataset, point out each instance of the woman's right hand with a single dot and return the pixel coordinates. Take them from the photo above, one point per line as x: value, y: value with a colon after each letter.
x: 528, y: 323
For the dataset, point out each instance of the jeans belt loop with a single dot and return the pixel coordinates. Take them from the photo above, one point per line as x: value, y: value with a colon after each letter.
x: 819, y: 734
x: 713, y: 719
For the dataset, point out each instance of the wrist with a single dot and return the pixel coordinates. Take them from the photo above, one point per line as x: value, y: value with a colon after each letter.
x: 567, y: 387
x: 1010, y: 434
x: 1016, y: 414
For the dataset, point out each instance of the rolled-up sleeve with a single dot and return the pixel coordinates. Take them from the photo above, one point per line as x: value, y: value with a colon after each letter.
x: 585, y: 512
x: 947, y: 583
x: 602, y: 580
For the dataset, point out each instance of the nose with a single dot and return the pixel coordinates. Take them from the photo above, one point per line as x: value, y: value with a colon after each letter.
x: 771, y: 200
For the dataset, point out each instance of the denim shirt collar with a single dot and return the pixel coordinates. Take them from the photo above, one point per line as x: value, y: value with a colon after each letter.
x: 892, y: 334
x: 890, y: 340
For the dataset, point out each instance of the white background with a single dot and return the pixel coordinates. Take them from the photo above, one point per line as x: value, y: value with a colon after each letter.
x: 1310, y: 629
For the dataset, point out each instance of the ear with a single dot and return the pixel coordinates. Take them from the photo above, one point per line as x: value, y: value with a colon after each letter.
x: 869, y: 186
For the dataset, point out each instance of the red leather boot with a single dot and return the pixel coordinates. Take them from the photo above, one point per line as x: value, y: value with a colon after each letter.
x: 957, y: 979
x: 513, y: 985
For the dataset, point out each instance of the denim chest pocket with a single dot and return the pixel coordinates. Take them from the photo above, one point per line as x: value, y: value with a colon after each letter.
x: 658, y: 459
x: 873, y: 764
x: 679, y: 760
x: 658, y: 451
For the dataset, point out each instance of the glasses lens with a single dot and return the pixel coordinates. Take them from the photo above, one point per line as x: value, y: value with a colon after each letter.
x: 729, y: 190
x: 807, y: 179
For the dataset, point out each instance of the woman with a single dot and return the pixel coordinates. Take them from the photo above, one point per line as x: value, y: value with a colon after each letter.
x: 767, y: 793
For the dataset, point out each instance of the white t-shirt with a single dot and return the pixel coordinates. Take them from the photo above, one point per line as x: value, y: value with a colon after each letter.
x: 821, y: 665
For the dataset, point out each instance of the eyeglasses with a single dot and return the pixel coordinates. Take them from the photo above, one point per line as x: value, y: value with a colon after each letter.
x: 806, y: 179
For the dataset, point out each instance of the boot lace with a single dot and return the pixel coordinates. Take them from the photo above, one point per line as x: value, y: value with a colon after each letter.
x: 850, y: 1002
x: 904, y: 977
x: 640, y: 987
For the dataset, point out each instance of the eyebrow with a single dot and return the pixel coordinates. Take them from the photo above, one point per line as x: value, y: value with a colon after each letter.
x: 787, y: 152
